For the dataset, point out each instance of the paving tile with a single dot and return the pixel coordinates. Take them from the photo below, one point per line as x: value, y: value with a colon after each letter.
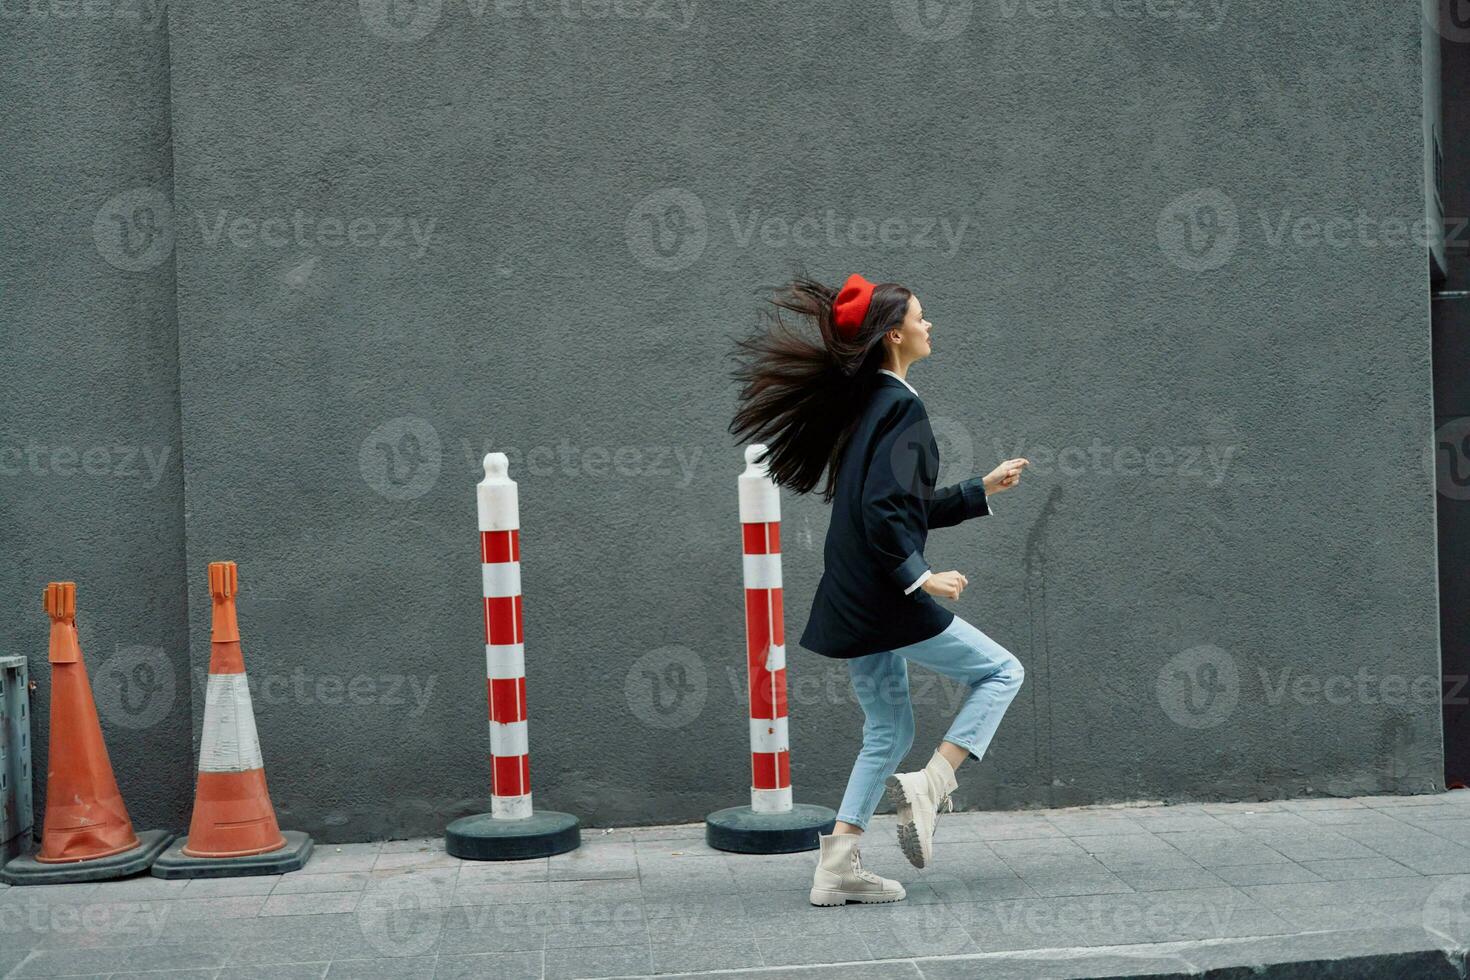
x: 311, y: 904
x: 698, y: 926
x: 175, y: 956
x: 137, y: 888
x: 797, y: 951
x: 1223, y: 849
x: 384, y: 968
x: 342, y: 881
x: 1148, y: 880
x: 1373, y: 867
x: 273, y: 971
x: 1067, y: 883
x: 489, y: 872
x: 596, y: 924
x: 230, y: 887
x: 500, y: 892
x: 525, y: 965
x: 390, y: 860
x: 336, y: 862
x: 494, y: 928
x: 1280, y: 873
x: 703, y: 956
x: 598, y: 961
x: 1095, y: 823
x: 1403, y: 891
x: 412, y: 844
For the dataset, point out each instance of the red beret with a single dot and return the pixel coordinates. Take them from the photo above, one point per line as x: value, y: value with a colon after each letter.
x: 851, y: 305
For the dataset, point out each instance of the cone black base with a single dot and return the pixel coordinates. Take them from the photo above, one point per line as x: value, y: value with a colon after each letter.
x: 742, y: 830
x: 28, y: 871
x: 174, y: 863
x: 483, y: 838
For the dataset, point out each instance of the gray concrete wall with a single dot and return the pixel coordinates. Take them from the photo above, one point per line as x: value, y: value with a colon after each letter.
x: 90, y: 458
x: 408, y: 237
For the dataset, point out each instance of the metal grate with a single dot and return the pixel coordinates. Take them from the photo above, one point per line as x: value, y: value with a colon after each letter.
x: 15, y: 758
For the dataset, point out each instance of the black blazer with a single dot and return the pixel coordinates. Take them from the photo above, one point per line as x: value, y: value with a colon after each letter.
x: 885, y: 501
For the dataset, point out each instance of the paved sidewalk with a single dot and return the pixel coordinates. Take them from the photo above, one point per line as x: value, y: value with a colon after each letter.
x: 1110, y: 891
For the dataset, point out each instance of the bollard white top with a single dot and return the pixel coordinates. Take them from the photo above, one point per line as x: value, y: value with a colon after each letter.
x: 760, y: 498
x: 498, y: 496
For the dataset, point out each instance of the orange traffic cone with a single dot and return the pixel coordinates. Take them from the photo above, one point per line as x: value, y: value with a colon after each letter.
x: 87, y: 835
x: 233, y: 830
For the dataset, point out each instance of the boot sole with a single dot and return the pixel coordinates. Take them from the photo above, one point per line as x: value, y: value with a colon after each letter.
x: 908, y: 832
x: 827, y: 897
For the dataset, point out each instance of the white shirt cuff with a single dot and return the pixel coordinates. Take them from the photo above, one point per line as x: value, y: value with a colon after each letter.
x: 918, y: 582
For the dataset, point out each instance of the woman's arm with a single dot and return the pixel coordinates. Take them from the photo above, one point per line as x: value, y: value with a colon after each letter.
x: 958, y: 502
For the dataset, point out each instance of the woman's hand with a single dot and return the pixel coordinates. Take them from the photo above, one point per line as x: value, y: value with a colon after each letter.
x: 945, y: 585
x: 1006, y: 475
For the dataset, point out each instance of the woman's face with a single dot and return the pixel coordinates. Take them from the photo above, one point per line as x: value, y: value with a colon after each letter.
x: 913, y: 333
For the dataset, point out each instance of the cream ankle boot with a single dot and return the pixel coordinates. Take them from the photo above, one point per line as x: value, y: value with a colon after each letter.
x: 841, y: 878
x: 917, y: 798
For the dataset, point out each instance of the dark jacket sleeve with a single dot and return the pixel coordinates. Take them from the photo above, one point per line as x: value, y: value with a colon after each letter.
x: 958, y: 502
x: 897, y: 490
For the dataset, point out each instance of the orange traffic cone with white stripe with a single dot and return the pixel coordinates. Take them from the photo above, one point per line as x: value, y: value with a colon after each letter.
x: 87, y: 835
x: 233, y: 830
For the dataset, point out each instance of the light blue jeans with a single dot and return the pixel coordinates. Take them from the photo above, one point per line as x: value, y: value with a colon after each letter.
x: 881, y: 682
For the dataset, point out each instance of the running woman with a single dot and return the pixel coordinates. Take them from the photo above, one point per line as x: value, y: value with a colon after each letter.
x: 844, y: 407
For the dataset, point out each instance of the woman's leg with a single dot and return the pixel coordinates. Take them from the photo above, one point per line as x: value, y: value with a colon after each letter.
x: 992, y: 673
x: 881, y: 682
x: 993, y: 676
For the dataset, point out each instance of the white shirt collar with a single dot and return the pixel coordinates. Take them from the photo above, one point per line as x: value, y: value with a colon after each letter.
x: 893, y: 375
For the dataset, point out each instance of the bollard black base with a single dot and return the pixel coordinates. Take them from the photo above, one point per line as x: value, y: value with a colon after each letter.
x: 28, y: 871
x: 742, y: 830
x: 174, y: 863
x: 483, y: 838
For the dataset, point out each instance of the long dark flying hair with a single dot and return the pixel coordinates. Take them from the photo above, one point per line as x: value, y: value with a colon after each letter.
x: 802, y: 395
